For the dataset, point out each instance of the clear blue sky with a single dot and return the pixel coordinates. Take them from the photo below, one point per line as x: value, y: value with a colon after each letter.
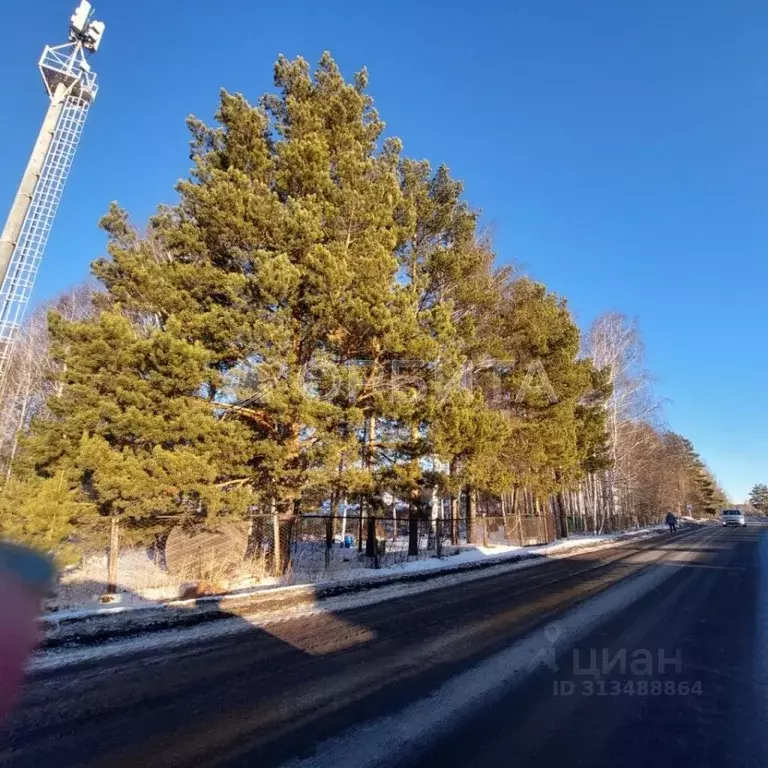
x: 618, y: 150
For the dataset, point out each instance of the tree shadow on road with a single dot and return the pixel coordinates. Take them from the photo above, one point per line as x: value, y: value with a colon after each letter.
x: 227, y: 690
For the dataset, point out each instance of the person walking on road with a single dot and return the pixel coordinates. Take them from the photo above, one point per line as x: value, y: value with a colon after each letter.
x: 671, y: 521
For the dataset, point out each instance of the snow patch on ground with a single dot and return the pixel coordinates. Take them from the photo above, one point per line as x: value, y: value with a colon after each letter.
x: 77, y: 600
x: 473, y: 553
x: 146, y: 581
x: 142, y: 580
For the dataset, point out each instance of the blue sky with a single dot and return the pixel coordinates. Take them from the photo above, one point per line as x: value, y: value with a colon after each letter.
x: 618, y: 151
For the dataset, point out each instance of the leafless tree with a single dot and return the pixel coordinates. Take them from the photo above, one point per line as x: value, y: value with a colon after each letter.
x: 31, y: 374
x: 614, y: 343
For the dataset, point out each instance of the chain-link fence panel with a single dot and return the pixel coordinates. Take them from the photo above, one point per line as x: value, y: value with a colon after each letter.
x: 166, y: 558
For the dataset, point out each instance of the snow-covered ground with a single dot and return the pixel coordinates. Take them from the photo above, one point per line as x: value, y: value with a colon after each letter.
x: 81, y: 590
x: 474, y: 553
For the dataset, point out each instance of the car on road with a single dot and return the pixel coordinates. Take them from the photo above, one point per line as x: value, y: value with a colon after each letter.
x: 733, y: 517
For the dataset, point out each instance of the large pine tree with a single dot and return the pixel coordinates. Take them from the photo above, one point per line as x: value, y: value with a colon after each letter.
x: 303, y: 324
x: 758, y: 497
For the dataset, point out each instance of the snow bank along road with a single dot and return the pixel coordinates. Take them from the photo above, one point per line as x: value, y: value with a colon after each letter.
x: 650, y: 653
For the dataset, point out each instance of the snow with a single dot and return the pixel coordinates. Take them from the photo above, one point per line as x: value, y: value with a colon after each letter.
x: 473, y: 553
x: 143, y: 583
x: 140, y: 581
x: 580, y: 542
x: 466, y: 554
x: 462, y: 556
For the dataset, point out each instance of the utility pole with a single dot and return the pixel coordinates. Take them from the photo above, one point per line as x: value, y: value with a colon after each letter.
x: 71, y: 87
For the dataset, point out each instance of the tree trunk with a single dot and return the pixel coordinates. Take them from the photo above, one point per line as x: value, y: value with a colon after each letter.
x: 343, y: 517
x: 360, y: 524
x: 255, y: 536
x: 605, y: 505
x: 413, y: 530
x: 394, y: 520
x: 113, y: 555
x: 434, y: 515
x: 370, y: 533
x: 335, y: 497
x: 504, y: 514
x: 284, y: 530
x: 370, y: 536
x: 550, y: 507
x: 370, y: 542
x: 440, y: 528
x: 516, y: 514
x: 471, y: 514
x: 563, y: 514
x: 454, y: 504
x: 277, y: 564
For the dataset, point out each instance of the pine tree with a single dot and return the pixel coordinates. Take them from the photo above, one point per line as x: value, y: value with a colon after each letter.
x: 130, y: 435
x: 689, y: 486
x: 280, y: 262
x: 555, y: 397
x: 758, y: 497
x: 210, y: 381
x: 447, y: 287
x: 317, y: 317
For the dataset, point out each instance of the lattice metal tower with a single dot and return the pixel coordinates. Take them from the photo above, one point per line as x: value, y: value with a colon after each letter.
x: 71, y: 87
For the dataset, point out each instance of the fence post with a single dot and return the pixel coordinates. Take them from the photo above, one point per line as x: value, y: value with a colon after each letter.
x: 394, y: 520
x: 413, y: 530
x: 360, y: 525
x: 113, y: 555
x: 328, y: 540
x: 471, y: 496
x: 276, y: 548
x: 485, y: 531
x: 454, y: 519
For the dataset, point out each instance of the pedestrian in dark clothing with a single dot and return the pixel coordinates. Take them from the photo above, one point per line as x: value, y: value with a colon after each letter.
x: 671, y: 521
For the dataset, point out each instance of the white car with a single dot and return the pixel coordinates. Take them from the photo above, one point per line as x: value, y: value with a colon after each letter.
x: 733, y: 517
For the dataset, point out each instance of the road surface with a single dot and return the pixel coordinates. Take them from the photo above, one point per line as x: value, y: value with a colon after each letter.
x: 645, y: 654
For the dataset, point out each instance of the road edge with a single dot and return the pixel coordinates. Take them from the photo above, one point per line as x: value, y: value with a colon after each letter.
x: 77, y: 629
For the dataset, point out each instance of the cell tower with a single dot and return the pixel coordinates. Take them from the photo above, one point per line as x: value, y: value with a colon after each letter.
x: 71, y: 86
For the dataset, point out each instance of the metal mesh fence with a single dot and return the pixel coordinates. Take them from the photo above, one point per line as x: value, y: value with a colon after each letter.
x: 162, y: 559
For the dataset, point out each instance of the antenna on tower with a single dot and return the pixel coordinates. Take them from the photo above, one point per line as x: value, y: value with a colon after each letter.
x: 82, y: 27
x: 71, y: 86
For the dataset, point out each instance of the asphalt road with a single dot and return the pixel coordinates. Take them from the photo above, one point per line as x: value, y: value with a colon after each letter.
x: 553, y: 665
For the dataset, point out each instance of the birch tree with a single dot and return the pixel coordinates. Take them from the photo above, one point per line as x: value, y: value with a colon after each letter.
x: 32, y: 371
x: 615, y: 345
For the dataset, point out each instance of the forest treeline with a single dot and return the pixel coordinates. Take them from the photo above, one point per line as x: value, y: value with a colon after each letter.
x: 319, y: 319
